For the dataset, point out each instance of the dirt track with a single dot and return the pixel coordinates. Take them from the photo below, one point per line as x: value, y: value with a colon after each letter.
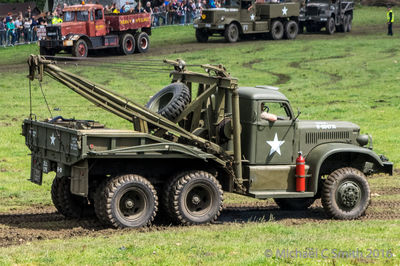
x: 102, y: 55
x: 18, y: 227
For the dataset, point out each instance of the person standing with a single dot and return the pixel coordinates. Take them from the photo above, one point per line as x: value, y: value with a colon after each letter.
x: 3, y: 32
x: 390, y: 20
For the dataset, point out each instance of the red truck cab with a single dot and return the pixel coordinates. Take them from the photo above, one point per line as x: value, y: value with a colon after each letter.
x: 87, y: 27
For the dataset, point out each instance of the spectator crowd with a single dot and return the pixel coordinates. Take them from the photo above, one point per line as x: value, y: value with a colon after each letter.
x: 24, y: 27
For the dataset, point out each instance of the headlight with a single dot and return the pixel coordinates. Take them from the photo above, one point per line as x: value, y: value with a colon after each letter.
x: 203, y: 16
x: 63, y: 38
x: 362, y: 140
x: 222, y: 18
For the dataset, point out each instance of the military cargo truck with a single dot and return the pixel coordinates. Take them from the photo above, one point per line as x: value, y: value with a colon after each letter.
x: 333, y: 15
x: 199, y: 136
x: 244, y: 17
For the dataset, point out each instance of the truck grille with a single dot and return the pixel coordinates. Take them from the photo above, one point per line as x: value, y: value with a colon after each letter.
x: 312, y: 11
x: 53, y: 32
x: 315, y: 137
x: 209, y: 16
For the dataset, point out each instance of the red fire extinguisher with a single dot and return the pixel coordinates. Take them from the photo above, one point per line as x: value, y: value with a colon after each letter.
x: 300, y: 173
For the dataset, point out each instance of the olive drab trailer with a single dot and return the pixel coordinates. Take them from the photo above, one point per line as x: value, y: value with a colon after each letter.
x: 239, y: 18
x: 199, y: 136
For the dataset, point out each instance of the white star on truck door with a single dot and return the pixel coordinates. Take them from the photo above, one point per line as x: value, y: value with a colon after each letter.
x: 284, y: 11
x: 275, y: 145
x: 252, y: 17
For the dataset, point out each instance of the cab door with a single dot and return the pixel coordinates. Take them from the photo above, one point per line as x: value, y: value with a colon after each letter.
x: 247, y: 17
x: 91, y: 27
x: 100, y: 23
x: 275, y: 140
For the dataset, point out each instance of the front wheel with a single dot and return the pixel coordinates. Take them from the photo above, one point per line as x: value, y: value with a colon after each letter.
x: 196, y: 198
x: 346, y: 194
x: 330, y: 26
x: 349, y: 20
x: 202, y: 35
x: 232, y: 33
x: 80, y: 48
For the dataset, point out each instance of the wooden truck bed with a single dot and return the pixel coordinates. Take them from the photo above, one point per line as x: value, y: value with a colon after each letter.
x: 123, y: 22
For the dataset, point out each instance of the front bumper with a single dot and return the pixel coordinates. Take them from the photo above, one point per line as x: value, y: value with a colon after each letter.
x: 387, y: 168
x: 313, y: 19
x: 50, y: 44
x: 209, y: 26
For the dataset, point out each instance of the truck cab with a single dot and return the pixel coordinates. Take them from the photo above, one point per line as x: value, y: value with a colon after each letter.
x: 270, y: 148
x: 333, y: 15
x: 87, y: 27
x: 238, y: 18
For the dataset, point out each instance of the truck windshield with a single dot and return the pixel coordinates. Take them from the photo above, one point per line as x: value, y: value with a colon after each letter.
x: 69, y: 16
x: 82, y: 16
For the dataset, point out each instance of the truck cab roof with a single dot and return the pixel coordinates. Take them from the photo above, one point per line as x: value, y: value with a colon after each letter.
x: 83, y: 7
x: 261, y: 93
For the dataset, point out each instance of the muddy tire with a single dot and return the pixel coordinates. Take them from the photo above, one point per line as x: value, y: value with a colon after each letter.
x: 231, y: 33
x: 170, y: 101
x: 294, y: 203
x: 349, y: 20
x: 167, y: 198
x: 68, y: 204
x: 142, y: 42
x: 196, y: 198
x: 330, y: 26
x: 127, y: 201
x: 277, y: 30
x: 54, y: 195
x: 100, y: 203
x: 202, y: 35
x: 291, y: 30
x: 346, y: 194
x: 127, y: 44
x: 80, y: 48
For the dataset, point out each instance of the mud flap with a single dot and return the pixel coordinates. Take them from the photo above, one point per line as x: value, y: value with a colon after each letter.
x: 36, y: 170
x: 80, y: 179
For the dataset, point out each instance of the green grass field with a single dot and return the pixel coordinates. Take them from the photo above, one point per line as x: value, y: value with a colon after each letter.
x: 352, y: 77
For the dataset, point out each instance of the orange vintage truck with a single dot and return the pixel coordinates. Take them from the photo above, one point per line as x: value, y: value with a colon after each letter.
x: 87, y: 27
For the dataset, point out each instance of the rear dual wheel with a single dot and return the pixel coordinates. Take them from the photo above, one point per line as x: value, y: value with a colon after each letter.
x: 142, y: 42
x: 126, y: 201
x: 127, y: 44
x: 66, y: 203
x: 193, y: 197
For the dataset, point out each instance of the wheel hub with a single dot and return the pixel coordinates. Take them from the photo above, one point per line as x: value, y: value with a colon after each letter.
x: 349, y: 194
x: 196, y: 199
x: 129, y: 204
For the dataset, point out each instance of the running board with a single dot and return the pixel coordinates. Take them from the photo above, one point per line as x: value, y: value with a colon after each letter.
x: 280, y: 194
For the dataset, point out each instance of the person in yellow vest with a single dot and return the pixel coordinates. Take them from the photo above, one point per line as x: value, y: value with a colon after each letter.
x: 390, y: 20
x: 56, y: 19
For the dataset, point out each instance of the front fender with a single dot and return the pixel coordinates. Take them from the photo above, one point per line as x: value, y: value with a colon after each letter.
x: 316, y: 157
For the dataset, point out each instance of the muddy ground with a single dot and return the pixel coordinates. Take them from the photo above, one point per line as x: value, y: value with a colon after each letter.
x: 39, y: 223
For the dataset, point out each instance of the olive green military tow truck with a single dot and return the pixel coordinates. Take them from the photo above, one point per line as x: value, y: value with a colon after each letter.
x: 199, y: 136
x: 238, y: 18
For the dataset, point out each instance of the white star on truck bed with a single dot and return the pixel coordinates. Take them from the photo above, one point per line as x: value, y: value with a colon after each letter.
x: 52, y: 139
x: 284, y: 11
x: 275, y: 145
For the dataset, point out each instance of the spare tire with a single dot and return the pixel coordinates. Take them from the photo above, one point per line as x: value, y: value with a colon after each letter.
x: 170, y: 101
